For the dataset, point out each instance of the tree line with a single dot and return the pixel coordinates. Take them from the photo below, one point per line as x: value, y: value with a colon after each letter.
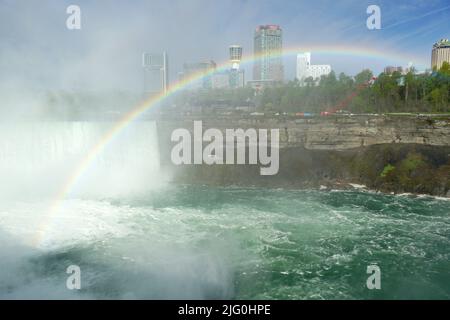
x: 411, y: 92
x: 396, y: 92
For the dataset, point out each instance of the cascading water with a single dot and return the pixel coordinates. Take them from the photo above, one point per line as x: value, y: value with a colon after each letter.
x: 133, y: 236
x: 38, y: 158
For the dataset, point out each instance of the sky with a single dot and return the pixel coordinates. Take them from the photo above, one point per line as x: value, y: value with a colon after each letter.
x: 38, y: 52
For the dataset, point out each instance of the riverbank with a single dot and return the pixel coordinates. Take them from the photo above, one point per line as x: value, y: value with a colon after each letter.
x: 388, y: 153
x: 389, y: 168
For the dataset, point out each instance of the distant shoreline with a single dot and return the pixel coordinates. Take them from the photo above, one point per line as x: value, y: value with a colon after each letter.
x: 388, y: 168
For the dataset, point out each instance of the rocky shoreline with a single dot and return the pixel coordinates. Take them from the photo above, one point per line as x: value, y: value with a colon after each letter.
x: 388, y: 168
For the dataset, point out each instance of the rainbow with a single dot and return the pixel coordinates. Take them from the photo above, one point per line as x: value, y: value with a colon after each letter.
x: 134, y: 114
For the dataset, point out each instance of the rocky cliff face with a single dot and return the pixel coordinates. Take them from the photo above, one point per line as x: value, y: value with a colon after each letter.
x: 347, y: 133
x: 391, y: 154
x: 333, y: 133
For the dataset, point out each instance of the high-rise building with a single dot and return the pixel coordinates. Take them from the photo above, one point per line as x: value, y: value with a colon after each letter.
x: 307, y: 70
x: 303, y: 64
x: 226, y: 79
x: 236, y: 78
x: 235, y: 56
x: 156, y: 73
x: 440, y: 53
x: 221, y: 80
x: 268, y: 50
x: 235, y: 75
x: 201, y: 70
x: 390, y: 70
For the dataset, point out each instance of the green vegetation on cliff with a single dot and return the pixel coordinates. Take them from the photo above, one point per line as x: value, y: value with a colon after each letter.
x: 404, y: 168
x: 399, y: 168
x: 388, y: 169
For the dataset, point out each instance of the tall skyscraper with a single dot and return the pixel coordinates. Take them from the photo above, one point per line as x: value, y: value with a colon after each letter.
x: 156, y: 73
x: 307, y: 70
x: 235, y: 56
x: 303, y: 63
x: 202, y: 70
x: 235, y: 75
x: 440, y: 53
x: 268, y: 49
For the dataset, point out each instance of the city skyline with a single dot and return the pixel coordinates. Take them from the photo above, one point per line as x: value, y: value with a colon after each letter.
x: 38, y: 52
x: 304, y: 68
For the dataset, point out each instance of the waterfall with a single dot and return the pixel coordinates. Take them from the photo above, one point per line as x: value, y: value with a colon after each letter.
x: 38, y: 158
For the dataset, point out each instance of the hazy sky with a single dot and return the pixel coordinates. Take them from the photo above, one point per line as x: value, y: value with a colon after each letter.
x: 38, y: 51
